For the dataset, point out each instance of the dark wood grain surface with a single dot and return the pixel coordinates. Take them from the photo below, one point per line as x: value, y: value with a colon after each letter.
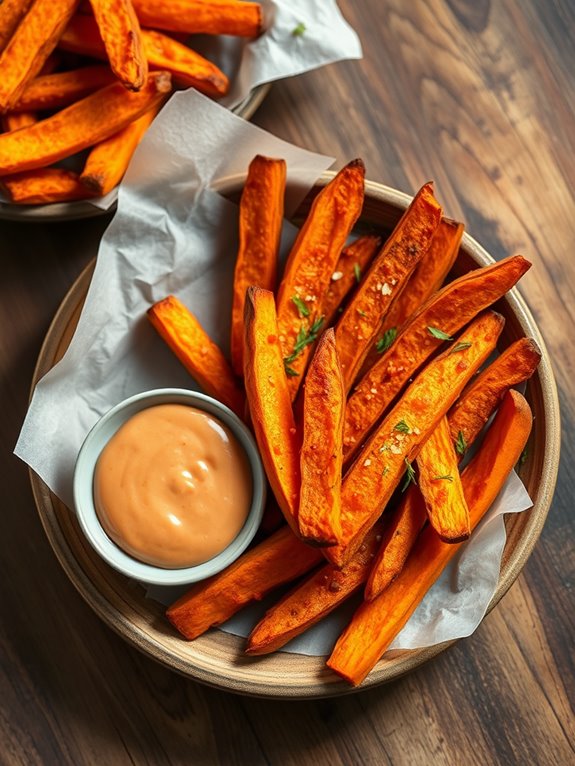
x: 480, y: 97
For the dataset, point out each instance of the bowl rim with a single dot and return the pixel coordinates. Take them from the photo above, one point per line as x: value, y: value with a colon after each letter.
x: 94, y: 443
x: 147, y: 639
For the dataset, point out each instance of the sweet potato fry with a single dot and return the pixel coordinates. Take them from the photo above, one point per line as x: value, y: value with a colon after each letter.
x: 15, y: 121
x: 352, y: 263
x: 11, y: 13
x: 444, y: 314
x: 440, y: 485
x: 187, y: 68
x: 474, y: 408
x: 321, y: 454
x: 213, y: 17
x: 32, y: 42
x: 201, y: 357
x: 122, y: 36
x: 278, y: 560
x: 311, y: 264
x: 429, y: 274
x: 52, y: 91
x: 376, y: 623
x: 370, y: 482
x: 109, y: 160
x: 313, y: 600
x: 466, y: 420
x: 269, y: 402
x: 261, y: 217
x: 359, y: 324
x: 80, y: 125
x: 39, y: 187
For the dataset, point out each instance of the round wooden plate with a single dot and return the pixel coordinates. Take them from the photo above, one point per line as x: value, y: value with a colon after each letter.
x: 216, y: 658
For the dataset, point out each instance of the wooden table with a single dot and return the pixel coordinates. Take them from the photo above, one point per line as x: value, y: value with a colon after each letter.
x: 480, y: 97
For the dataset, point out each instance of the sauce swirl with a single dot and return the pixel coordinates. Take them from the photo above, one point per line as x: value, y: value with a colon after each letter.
x: 173, y: 486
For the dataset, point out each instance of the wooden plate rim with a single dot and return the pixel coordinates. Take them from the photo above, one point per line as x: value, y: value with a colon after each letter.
x: 324, y: 684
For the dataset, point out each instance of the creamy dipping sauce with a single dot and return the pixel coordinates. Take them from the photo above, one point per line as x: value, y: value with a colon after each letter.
x: 173, y: 486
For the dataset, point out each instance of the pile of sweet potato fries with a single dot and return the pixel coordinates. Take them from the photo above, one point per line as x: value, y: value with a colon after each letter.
x: 56, y: 100
x: 360, y: 384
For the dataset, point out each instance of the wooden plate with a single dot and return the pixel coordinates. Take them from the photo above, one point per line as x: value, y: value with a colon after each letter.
x: 68, y: 211
x: 216, y: 658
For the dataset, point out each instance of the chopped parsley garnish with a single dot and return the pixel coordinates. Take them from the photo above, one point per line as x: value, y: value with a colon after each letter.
x: 401, y: 426
x: 303, y: 339
x: 357, y: 272
x: 409, y: 475
x: 361, y: 312
x: 460, y: 443
x: 302, y: 309
x: 439, y: 334
x: 447, y: 477
x: 460, y: 347
x: 299, y: 30
x: 385, y: 471
x: 386, y: 340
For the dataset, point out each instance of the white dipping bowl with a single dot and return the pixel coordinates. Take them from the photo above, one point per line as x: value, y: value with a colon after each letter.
x: 85, y: 467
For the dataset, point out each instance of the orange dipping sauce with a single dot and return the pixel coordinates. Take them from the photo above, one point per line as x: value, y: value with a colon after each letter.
x: 173, y: 486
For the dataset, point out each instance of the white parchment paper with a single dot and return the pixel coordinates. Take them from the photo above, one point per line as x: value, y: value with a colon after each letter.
x: 173, y: 233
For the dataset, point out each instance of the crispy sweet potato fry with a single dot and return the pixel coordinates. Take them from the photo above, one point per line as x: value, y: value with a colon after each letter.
x: 39, y: 187
x: 11, y: 13
x: 370, y: 482
x: 321, y: 454
x: 440, y: 485
x: 313, y: 600
x: 473, y: 409
x: 311, y: 264
x: 109, y: 160
x: 269, y: 402
x: 122, y: 36
x: 52, y: 91
x: 352, y: 263
x: 213, y: 17
x: 32, y: 42
x: 447, y: 311
x: 12, y: 121
x: 429, y: 274
x: 359, y: 324
x: 278, y: 560
x: 187, y: 68
x: 261, y: 217
x: 82, y: 124
x: 466, y: 420
x: 376, y: 623
x: 201, y: 357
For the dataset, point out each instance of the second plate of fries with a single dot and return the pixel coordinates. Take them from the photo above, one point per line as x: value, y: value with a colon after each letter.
x: 396, y: 402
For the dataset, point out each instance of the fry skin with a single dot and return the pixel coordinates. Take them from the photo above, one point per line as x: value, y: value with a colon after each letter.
x: 15, y: 121
x: 188, y: 68
x: 352, y: 263
x: 269, y: 402
x: 448, y: 311
x: 11, y: 13
x: 201, y: 357
x: 52, y: 91
x: 359, y: 324
x: 212, y: 17
x: 122, y: 36
x: 378, y: 469
x: 109, y: 160
x: 32, y: 42
x: 311, y: 263
x: 321, y: 454
x: 260, y: 222
x: 376, y: 623
x: 39, y: 187
x: 311, y: 601
x: 80, y: 125
x: 277, y: 560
